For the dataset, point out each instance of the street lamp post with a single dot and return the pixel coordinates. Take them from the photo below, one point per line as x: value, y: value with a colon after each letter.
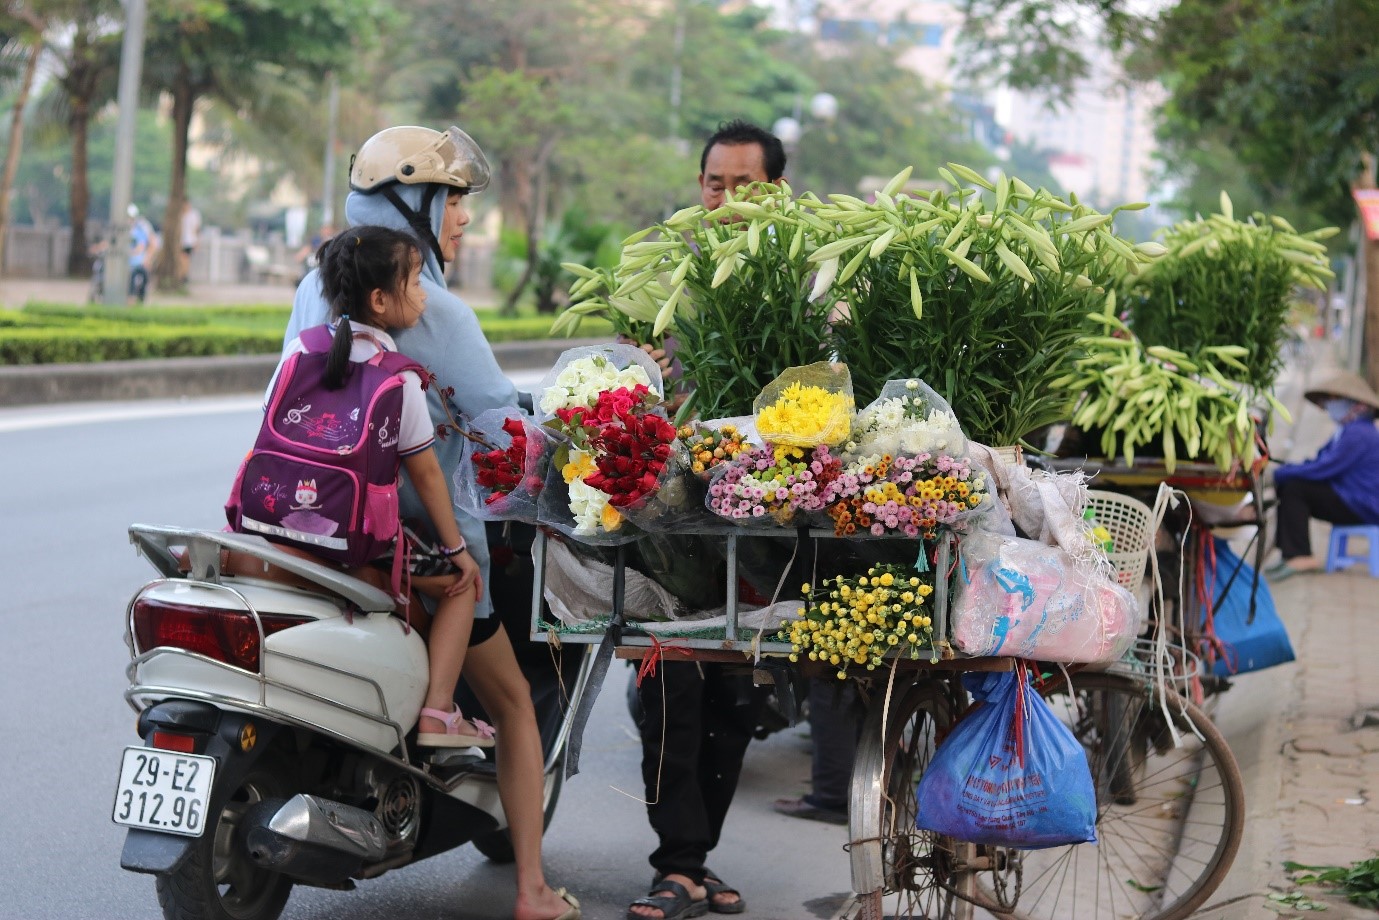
x: 823, y: 107
x: 116, y: 278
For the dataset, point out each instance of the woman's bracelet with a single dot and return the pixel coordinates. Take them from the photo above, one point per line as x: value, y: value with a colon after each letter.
x: 448, y: 551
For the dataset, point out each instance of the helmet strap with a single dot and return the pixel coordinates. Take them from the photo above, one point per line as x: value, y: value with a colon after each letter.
x: 419, y: 221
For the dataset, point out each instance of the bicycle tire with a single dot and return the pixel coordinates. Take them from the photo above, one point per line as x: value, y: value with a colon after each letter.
x: 1169, y: 819
x: 918, y: 871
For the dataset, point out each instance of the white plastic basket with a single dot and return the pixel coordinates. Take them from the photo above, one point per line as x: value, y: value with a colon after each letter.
x: 1128, y: 522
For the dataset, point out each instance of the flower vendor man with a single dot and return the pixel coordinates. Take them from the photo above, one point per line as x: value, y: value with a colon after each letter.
x: 699, y: 718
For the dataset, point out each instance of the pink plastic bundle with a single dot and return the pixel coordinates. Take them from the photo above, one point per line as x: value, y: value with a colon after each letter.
x: 1022, y: 599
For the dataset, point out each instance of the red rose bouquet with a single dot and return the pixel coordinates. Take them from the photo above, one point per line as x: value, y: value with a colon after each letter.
x: 503, y: 468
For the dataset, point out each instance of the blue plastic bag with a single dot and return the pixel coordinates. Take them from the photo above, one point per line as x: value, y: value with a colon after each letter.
x: 1241, y: 645
x: 1010, y: 774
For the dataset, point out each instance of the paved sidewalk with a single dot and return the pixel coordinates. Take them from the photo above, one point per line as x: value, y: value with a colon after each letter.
x: 1308, y: 754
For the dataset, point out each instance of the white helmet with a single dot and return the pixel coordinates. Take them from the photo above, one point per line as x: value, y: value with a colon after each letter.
x: 417, y: 156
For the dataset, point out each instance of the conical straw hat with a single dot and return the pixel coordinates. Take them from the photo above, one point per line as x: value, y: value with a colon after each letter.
x: 1346, y: 385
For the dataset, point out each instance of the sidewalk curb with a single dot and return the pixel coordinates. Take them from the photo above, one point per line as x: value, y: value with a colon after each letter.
x: 163, y: 378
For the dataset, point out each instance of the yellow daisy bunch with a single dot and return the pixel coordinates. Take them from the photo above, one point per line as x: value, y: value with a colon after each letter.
x: 859, y: 620
x: 806, y: 416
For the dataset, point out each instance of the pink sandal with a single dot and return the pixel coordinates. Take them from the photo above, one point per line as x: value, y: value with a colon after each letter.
x: 453, y: 736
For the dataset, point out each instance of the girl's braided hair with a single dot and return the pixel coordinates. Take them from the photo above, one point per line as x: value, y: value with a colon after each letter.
x: 353, y: 265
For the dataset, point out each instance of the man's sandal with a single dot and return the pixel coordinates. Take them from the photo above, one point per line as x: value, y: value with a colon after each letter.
x: 673, y: 901
x: 716, y: 886
x: 453, y: 736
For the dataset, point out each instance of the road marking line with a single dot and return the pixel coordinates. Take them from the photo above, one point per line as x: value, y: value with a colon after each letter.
x: 30, y: 418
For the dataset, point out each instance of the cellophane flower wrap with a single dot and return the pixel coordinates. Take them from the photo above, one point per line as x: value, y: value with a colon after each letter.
x: 775, y: 485
x: 907, y: 471
x: 858, y: 620
x: 502, y: 473
x: 908, y: 496
x: 709, y: 445
x: 604, y: 400
x: 907, y: 418
x: 806, y: 406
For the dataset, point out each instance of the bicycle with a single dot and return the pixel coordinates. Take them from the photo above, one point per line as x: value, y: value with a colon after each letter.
x: 1170, y: 802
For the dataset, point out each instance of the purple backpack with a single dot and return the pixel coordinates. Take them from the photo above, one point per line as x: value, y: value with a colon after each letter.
x: 323, y: 473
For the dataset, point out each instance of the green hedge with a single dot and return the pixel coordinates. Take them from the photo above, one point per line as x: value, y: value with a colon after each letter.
x: 44, y: 333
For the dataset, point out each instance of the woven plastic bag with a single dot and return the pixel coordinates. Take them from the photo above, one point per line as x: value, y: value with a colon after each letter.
x: 497, y: 482
x: 1023, y: 599
x: 1009, y: 774
x: 907, y: 418
x: 806, y: 406
x: 580, y: 374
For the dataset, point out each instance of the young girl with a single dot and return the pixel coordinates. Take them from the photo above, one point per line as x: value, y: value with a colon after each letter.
x: 371, y: 278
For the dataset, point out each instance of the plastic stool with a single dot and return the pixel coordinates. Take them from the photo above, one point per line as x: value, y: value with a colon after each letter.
x: 1336, y: 556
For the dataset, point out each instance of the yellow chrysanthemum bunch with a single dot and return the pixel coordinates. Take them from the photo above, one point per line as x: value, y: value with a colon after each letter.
x: 857, y: 621
x: 806, y: 416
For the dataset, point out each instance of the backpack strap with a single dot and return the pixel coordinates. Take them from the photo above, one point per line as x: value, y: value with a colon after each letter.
x: 317, y: 338
x: 320, y: 338
x: 395, y: 362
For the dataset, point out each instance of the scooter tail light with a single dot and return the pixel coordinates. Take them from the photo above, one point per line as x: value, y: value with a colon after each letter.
x: 229, y: 636
x: 170, y: 741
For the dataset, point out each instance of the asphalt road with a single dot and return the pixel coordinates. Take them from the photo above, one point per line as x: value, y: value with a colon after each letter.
x: 75, y: 478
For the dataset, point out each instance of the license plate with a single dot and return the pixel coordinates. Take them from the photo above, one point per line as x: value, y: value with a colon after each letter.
x: 164, y: 791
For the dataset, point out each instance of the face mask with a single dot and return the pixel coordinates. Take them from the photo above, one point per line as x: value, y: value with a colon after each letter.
x: 1338, y: 409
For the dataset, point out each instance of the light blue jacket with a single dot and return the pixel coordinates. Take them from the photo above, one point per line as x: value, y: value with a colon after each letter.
x: 447, y: 340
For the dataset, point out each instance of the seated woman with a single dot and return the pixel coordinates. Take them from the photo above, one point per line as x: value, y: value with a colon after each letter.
x: 1339, y: 485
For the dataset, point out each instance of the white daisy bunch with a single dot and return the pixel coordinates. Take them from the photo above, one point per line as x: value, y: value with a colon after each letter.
x: 906, y: 423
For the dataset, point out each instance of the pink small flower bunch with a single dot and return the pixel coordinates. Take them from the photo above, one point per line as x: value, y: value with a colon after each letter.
x: 911, y: 495
x: 777, y: 481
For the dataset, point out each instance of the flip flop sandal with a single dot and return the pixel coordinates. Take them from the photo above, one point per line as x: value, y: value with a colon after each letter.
x: 453, y: 737
x: 574, y: 912
x: 673, y: 901
x: 715, y: 887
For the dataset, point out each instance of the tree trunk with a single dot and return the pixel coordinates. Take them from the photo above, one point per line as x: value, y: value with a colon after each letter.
x: 16, y: 142
x: 79, y: 195
x: 183, y: 99
x: 531, y: 221
x: 1369, y: 356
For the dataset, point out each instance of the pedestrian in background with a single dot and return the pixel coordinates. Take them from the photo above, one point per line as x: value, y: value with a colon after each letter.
x: 191, y: 236
x: 143, y: 243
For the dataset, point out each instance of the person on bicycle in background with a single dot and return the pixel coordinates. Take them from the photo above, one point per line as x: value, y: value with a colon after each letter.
x: 1339, y: 485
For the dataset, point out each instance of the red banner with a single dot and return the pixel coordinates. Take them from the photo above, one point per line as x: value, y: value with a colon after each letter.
x: 1367, y: 199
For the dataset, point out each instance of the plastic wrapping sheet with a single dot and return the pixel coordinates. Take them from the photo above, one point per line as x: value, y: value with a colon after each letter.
x: 1023, y: 599
x: 581, y: 373
x: 519, y: 504
x: 907, y: 418
x: 806, y: 406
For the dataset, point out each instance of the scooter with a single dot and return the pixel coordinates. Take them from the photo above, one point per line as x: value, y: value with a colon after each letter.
x: 277, y: 701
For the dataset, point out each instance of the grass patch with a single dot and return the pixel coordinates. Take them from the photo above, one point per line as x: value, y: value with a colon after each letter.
x: 49, y: 333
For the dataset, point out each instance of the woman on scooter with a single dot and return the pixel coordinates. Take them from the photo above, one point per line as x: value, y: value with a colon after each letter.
x: 415, y: 179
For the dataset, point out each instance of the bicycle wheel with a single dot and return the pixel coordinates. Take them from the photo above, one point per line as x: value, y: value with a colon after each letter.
x: 897, y: 870
x: 1169, y: 819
